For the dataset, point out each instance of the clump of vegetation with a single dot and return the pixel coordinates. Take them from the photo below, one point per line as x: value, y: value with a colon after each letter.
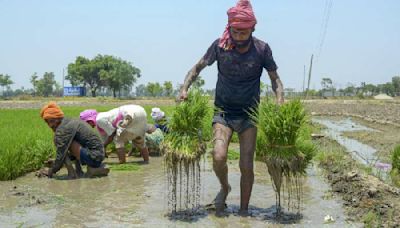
x: 25, y: 141
x: 395, y: 172
x: 124, y: 167
x: 183, y: 148
x: 284, y: 144
x: 233, y: 154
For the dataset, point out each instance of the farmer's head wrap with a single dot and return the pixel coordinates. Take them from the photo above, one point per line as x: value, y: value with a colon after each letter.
x: 51, y: 111
x: 88, y: 115
x: 157, y: 114
x: 241, y: 17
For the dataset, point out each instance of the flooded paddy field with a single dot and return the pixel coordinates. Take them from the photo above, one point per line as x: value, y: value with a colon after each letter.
x: 342, y: 189
x: 138, y: 199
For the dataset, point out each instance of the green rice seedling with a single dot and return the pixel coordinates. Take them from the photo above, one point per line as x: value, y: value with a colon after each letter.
x: 25, y: 143
x: 183, y: 148
x: 284, y: 144
x: 395, y: 172
x: 124, y: 167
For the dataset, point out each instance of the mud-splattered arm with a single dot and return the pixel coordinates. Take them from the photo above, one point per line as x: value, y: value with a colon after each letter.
x: 191, y: 77
x: 277, y: 86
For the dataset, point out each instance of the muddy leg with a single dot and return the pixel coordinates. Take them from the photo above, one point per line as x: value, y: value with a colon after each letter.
x: 145, y: 154
x: 78, y: 168
x: 75, y: 150
x: 222, y: 137
x: 247, y: 141
x: 121, y: 155
x: 71, y: 171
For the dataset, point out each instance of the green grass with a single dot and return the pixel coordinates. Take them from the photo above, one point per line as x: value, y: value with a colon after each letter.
x: 396, y: 158
x: 395, y: 172
x: 124, y: 167
x: 233, y: 154
x: 26, y: 141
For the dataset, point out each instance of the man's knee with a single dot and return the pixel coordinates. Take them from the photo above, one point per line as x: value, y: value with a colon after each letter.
x: 246, y: 167
x: 220, y: 154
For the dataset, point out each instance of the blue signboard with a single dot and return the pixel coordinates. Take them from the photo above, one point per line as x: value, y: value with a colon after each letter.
x: 74, y: 91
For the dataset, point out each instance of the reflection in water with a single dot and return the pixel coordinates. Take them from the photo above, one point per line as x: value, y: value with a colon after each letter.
x: 363, y: 153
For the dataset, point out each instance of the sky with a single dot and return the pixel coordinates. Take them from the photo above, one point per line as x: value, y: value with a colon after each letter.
x: 355, y: 41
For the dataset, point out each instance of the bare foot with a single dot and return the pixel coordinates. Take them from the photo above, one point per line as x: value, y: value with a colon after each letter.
x: 244, y: 213
x: 97, y: 172
x: 219, y: 201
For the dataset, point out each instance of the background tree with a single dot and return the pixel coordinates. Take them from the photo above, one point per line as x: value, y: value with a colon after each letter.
x: 350, y: 90
x: 117, y: 74
x: 5, y: 81
x: 102, y: 71
x: 326, y: 84
x: 154, y: 89
x: 263, y: 89
x: 34, y: 82
x: 396, y: 85
x: 44, y: 86
x: 141, y: 90
x: 387, y: 88
x: 86, y: 72
x: 198, y: 83
x: 168, y: 88
x: 369, y: 89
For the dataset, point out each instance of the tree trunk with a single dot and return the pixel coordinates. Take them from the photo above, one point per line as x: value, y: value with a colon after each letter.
x: 114, y: 93
x: 93, y: 92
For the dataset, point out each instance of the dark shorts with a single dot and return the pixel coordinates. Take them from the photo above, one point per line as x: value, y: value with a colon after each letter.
x: 87, y: 160
x: 238, y: 125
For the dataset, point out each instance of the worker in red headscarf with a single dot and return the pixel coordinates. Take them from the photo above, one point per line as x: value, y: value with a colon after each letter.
x: 241, y: 58
x: 73, y: 139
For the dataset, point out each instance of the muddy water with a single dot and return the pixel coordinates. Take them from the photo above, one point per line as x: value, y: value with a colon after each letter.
x: 138, y: 199
x: 363, y: 153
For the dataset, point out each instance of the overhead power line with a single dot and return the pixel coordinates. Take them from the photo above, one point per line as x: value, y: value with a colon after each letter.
x: 324, y: 26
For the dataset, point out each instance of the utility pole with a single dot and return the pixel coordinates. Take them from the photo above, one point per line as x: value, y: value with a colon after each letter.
x: 309, y: 76
x: 63, y: 83
x: 304, y: 77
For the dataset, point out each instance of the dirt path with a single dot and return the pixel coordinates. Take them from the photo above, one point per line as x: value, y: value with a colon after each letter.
x: 132, y: 199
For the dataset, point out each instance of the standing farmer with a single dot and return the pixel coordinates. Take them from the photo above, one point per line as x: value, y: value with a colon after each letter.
x: 241, y: 58
x: 73, y: 138
x: 121, y: 125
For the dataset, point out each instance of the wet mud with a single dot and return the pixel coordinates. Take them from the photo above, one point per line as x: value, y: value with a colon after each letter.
x: 140, y: 198
x: 367, y: 198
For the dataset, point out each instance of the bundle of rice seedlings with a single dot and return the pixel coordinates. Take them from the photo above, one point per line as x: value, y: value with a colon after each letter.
x: 183, y: 148
x: 284, y: 144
